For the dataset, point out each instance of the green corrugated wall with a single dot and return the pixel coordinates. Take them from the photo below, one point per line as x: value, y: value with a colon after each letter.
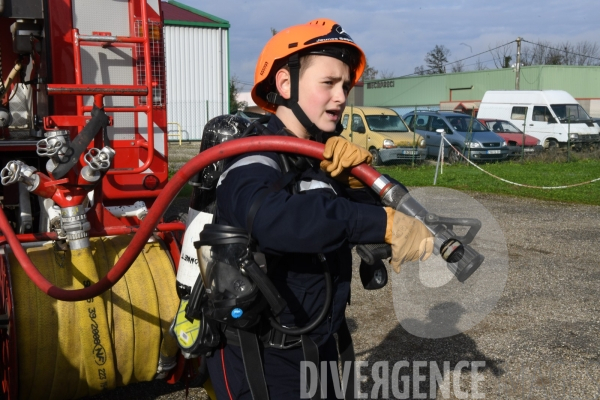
x: 580, y: 82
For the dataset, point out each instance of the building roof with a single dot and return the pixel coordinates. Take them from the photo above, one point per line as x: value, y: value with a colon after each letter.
x: 175, y: 13
x: 470, y: 86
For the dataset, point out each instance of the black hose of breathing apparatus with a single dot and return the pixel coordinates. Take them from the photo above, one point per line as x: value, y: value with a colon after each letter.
x: 461, y: 259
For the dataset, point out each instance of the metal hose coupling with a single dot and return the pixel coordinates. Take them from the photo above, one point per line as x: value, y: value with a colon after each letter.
x: 97, y: 161
x: 56, y: 146
x: 75, y: 226
x: 17, y: 171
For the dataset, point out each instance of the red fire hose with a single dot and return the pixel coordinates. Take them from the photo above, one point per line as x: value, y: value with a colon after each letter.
x: 228, y: 149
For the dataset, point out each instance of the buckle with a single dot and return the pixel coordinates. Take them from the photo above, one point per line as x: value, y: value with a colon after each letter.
x: 272, y: 97
x: 283, y: 341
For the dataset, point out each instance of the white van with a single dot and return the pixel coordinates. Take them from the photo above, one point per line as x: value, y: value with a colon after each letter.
x: 543, y: 114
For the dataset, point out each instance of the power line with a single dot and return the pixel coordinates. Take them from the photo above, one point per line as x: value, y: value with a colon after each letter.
x: 243, y: 83
x: 457, y: 61
x: 561, y: 50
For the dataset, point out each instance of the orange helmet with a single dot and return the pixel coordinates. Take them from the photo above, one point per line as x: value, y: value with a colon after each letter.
x: 321, y: 37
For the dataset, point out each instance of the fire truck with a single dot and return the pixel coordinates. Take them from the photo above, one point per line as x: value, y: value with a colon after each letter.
x: 88, y: 286
x: 83, y: 146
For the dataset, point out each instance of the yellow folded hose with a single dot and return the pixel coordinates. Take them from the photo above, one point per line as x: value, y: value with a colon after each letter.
x: 68, y: 350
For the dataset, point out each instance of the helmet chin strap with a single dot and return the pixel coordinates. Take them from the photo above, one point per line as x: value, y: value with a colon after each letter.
x: 292, y: 104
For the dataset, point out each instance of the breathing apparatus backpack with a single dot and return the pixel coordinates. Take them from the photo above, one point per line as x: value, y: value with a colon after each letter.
x: 222, y: 278
x: 197, y: 335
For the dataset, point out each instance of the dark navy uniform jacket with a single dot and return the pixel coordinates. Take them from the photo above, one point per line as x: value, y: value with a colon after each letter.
x: 316, y: 215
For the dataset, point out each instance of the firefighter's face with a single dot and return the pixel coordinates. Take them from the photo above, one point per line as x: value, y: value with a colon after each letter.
x: 323, y: 89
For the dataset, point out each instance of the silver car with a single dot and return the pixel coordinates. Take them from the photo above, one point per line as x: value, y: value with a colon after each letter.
x: 465, y: 133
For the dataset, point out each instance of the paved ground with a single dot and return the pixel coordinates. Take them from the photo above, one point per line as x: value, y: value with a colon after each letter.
x: 541, y: 339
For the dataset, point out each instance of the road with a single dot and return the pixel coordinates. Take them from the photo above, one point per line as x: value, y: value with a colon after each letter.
x: 539, y: 339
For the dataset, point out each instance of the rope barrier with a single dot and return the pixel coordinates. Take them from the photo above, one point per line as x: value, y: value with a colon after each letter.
x: 515, y: 183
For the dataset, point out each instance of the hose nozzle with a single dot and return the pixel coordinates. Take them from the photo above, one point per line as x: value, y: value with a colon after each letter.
x: 461, y: 259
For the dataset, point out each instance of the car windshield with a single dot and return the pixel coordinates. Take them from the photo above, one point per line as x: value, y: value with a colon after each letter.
x: 462, y: 123
x: 386, y: 123
x: 502, y: 126
x: 576, y: 112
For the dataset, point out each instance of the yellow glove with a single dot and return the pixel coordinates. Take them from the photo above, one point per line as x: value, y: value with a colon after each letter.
x: 340, y: 154
x: 409, y: 237
x: 344, y: 177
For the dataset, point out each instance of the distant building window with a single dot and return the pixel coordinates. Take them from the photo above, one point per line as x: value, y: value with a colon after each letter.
x: 518, y: 113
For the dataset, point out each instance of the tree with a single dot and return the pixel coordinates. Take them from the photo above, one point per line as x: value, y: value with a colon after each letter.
x: 501, y: 56
x: 457, y: 66
x: 437, y: 59
x: 234, y: 90
x: 546, y: 53
x: 369, y: 73
x: 386, y: 74
x: 420, y: 70
x: 582, y: 53
x: 479, y: 66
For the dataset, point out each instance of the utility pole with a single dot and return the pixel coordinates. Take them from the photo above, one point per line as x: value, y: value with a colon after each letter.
x: 518, y: 70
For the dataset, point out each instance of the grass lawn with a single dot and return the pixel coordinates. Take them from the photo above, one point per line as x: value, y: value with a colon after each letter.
x: 545, y: 170
x: 548, y: 174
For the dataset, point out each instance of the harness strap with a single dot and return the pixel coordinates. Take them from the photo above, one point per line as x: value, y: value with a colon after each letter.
x: 253, y: 364
x: 346, y: 350
x: 311, y: 354
x: 292, y: 102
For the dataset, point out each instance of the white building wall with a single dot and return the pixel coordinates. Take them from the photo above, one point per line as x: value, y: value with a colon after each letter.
x: 197, y: 77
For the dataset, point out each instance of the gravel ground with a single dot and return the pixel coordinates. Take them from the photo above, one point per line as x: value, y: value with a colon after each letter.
x: 541, y: 339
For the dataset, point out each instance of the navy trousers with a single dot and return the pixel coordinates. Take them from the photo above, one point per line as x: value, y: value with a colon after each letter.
x: 281, y: 368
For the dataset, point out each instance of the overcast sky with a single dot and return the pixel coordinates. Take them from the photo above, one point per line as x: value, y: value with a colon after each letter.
x: 396, y: 35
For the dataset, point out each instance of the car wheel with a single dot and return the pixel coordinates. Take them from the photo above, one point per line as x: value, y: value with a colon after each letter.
x: 454, y: 157
x: 376, y: 159
x: 552, y: 145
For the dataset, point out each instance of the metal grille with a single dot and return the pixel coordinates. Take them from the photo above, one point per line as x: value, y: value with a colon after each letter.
x: 156, y: 62
x: 491, y: 144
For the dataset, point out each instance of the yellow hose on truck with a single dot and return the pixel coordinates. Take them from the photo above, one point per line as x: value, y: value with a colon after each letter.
x: 67, y: 350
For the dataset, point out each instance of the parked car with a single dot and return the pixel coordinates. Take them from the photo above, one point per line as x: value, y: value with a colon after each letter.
x: 383, y: 133
x: 552, y: 116
x: 513, y: 137
x: 466, y: 134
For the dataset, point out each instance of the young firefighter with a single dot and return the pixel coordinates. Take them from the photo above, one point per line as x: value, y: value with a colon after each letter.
x: 303, y: 77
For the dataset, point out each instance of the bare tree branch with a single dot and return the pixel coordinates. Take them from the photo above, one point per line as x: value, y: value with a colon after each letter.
x: 502, y: 56
x: 369, y: 73
x: 457, y: 66
x: 479, y: 66
x: 386, y: 74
